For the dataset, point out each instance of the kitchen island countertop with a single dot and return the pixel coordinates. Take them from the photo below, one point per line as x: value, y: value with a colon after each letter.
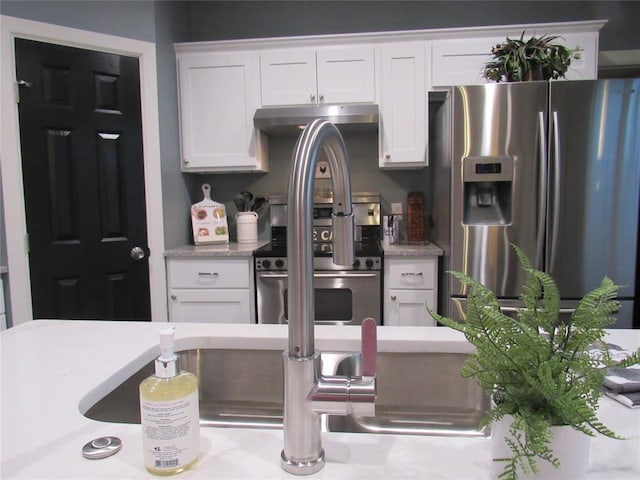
x: 52, y: 370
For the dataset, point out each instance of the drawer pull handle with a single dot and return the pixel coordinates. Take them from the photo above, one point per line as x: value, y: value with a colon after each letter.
x: 411, y: 274
x: 208, y: 274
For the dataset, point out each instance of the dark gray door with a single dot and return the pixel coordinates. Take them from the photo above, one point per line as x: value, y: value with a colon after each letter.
x: 81, y: 145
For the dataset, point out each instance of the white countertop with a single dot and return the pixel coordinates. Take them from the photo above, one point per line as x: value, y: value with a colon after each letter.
x: 231, y: 249
x: 51, y: 370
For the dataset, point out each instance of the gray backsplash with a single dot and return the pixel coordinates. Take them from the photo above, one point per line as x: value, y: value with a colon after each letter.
x: 362, y: 148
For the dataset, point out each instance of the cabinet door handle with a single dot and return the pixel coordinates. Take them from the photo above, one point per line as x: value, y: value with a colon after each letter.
x: 208, y: 274
x: 321, y: 98
x: 174, y: 296
x: 393, y: 297
x: 411, y: 274
x: 313, y: 98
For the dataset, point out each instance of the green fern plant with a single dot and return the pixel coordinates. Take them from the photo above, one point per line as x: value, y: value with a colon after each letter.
x: 536, y: 367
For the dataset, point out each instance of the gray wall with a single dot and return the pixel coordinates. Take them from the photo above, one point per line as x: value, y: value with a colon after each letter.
x: 253, y: 19
x: 130, y: 19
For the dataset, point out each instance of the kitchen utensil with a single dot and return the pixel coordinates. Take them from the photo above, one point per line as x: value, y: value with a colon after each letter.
x: 258, y: 204
x: 239, y: 202
x: 248, y: 197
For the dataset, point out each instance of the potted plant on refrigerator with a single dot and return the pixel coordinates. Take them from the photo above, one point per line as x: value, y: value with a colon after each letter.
x: 543, y: 381
x: 537, y: 58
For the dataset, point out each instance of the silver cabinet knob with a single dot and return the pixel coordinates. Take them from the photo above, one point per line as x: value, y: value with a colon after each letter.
x: 313, y: 98
x: 138, y: 253
x: 393, y: 297
x: 174, y: 296
x: 321, y: 98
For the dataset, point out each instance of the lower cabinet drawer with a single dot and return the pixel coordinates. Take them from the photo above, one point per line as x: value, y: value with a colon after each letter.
x: 211, y: 306
x: 209, y: 273
x: 411, y: 273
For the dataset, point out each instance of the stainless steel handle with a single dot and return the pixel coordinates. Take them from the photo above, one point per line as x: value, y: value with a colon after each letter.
x: 555, y: 208
x: 411, y: 274
x: 313, y: 98
x: 542, y: 191
x: 138, y: 253
x: 321, y: 98
x: 208, y: 274
x: 322, y: 275
x: 369, y: 337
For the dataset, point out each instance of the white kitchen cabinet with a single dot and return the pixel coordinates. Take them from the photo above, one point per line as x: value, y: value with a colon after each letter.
x: 411, y: 286
x: 219, y: 94
x: 460, y: 61
x: 299, y: 76
x: 213, y: 290
x: 403, y: 105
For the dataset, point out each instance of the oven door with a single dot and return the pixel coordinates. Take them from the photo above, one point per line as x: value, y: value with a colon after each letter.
x: 341, y: 297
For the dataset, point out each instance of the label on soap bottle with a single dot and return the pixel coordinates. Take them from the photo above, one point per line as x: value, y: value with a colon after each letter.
x: 170, y: 432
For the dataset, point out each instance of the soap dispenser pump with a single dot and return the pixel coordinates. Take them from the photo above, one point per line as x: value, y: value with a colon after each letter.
x: 169, y: 412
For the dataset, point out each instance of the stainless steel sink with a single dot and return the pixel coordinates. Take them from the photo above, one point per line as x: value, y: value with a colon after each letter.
x: 418, y: 393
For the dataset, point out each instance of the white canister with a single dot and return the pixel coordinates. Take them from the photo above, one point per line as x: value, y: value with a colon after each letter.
x: 247, y: 223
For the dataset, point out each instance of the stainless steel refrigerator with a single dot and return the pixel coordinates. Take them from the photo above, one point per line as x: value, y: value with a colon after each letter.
x: 553, y: 167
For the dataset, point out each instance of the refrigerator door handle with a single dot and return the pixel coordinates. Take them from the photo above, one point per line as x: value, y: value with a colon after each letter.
x: 542, y: 190
x: 555, y: 200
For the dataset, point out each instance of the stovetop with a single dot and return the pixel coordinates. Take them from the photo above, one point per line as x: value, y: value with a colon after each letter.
x: 273, y: 256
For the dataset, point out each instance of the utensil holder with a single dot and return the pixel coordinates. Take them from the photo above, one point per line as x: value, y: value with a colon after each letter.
x: 247, y: 223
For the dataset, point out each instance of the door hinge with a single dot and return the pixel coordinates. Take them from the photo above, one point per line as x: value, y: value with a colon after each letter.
x: 18, y: 84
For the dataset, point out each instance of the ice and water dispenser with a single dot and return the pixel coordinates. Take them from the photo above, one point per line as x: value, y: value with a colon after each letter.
x: 488, y: 185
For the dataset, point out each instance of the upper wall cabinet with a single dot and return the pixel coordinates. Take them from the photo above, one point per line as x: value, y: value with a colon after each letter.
x: 460, y: 61
x: 219, y: 93
x: 403, y: 105
x: 300, y: 76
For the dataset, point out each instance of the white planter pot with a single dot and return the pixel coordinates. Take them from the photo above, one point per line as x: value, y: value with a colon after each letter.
x: 570, y: 446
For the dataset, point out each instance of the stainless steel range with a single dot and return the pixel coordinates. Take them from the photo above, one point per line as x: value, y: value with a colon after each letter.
x: 343, y: 296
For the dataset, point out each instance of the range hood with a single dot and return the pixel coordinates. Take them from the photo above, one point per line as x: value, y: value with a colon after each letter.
x: 292, y: 119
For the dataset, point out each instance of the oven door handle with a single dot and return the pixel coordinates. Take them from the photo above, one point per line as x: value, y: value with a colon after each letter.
x: 323, y: 275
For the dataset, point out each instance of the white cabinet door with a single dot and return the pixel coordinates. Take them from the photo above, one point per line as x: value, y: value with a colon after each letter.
x: 309, y: 76
x: 586, y: 67
x: 219, y: 94
x: 409, y: 308
x: 211, y: 306
x: 288, y: 77
x: 403, y: 106
x: 346, y: 75
x: 461, y: 61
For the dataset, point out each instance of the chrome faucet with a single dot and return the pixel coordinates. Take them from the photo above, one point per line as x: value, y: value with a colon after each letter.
x: 307, y: 393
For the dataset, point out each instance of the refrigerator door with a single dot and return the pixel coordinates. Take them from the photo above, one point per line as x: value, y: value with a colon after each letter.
x: 497, y: 190
x: 594, y: 191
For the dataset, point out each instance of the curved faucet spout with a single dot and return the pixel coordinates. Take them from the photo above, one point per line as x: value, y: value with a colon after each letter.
x: 318, y: 135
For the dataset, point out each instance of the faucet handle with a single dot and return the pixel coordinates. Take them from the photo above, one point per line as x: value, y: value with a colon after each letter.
x: 369, y: 347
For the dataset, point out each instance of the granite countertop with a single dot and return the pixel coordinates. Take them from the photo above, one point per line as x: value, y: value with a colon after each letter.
x: 53, y: 370
x: 412, y: 249
x: 231, y: 249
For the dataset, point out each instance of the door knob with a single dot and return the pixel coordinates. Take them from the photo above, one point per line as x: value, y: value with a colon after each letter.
x: 138, y: 253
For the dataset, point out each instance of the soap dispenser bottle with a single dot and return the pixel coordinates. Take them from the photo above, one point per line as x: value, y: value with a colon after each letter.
x: 170, y: 413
